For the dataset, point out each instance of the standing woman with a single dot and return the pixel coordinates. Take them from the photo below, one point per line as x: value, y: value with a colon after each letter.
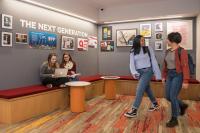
x: 47, y: 71
x: 143, y: 65
x: 68, y: 63
x: 176, y: 74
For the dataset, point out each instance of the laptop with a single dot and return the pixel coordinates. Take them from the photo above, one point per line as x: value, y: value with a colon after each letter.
x: 61, y: 72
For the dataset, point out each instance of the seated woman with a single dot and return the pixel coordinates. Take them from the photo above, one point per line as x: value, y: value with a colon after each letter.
x: 47, y: 71
x: 68, y: 63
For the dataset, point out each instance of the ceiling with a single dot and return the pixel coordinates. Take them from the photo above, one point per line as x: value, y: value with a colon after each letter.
x: 115, y: 10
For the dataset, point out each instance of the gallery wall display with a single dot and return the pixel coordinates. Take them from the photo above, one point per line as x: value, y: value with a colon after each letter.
x: 159, y: 26
x: 67, y: 43
x: 42, y: 40
x: 6, y: 39
x: 107, y: 33
x: 21, y: 38
x: 92, y: 41
x: 145, y: 30
x: 184, y: 27
x: 158, y: 45
x: 7, y: 21
x: 159, y: 35
x: 125, y: 36
x: 107, y: 46
x: 147, y: 41
x: 82, y: 44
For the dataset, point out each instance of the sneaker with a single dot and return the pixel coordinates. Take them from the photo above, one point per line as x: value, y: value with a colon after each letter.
x: 183, y: 109
x: 49, y: 86
x: 62, y: 85
x: 154, y: 107
x: 172, y: 123
x: 132, y: 113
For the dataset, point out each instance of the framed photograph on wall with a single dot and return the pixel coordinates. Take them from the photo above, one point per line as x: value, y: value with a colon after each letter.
x: 6, y: 39
x: 185, y: 28
x: 82, y: 44
x: 147, y: 42
x: 92, y: 41
x: 159, y: 26
x: 158, y: 35
x: 107, y: 46
x: 107, y: 33
x: 42, y: 40
x: 158, y: 45
x: 125, y: 37
x: 67, y: 43
x: 145, y: 30
x: 7, y: 21
x: 21, y: 38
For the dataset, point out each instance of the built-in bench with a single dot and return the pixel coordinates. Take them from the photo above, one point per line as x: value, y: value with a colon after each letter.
x: 27, y: 102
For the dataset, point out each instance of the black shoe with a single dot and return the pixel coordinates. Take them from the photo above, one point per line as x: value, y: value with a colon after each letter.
x: 172, y: 123
x: 154, y: 106
x: 132, y: 113
x: 183, y: 109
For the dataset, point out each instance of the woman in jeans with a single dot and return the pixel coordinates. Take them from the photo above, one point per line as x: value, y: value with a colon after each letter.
x: 143, y: 65
x: 176, y: 75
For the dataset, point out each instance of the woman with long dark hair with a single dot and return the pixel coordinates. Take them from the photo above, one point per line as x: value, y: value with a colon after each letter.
x: 143, y: 65
x: 69, y: 64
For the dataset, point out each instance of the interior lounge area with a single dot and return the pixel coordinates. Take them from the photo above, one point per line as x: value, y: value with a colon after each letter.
x: 100, y: 66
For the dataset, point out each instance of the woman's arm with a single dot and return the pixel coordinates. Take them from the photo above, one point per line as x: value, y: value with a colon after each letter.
x: 132, y: 66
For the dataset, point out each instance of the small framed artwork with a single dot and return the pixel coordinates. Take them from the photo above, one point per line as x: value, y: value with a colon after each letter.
x: 159, y: 36
x: 147, y: 41
x: 7, y: 21
x: 67, y: 43
x: 107, y: 46
x: 21, y: 38
x: 158, y: 45
x: 82, y: 44
x: 159, y: 26
x: 125, y: 37
x: 145, y: 30
x: 107, y: 33
x: 6, y: 39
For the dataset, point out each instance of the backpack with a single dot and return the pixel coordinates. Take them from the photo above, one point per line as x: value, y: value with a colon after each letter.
x: 190, y: 61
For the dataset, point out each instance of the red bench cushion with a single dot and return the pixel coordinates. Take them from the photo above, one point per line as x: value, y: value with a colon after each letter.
x: 23, y: 91
x: 90, y: 78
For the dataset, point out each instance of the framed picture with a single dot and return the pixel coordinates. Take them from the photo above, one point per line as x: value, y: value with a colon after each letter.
x: 6, y: 39
x: 158, y: 45
x: 42, y: 40
x: 67, y: 43
x: 107, y: 46
x: 185, y: 28
x: 21, y: 38
x: 7, y: 21
x: 159, y: 36
x: 125, y: 37
x: 107, y: 33
x: 147, y: 42
x: 92, y: 41
x: 159, y: 26
x: 82, y: 44
x: 145, y: 30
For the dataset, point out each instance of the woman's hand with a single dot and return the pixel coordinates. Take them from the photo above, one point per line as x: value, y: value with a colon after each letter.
x: 185, y: 85
x: 72, y: 72
x: 163, y: 81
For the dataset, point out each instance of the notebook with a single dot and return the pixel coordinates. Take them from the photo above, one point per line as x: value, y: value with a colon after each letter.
x: 61, y: 72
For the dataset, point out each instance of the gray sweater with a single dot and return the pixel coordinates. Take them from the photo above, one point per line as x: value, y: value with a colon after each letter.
x: 46, y: 71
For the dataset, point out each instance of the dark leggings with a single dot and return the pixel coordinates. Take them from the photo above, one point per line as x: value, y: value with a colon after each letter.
x: 54, y: 81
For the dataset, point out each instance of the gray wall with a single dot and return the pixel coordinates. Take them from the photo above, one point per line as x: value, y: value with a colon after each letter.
x: 20, y: 64
x: 117, y: 62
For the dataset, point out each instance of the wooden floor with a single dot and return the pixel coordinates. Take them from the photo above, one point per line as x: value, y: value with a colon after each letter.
x: 107, y: 116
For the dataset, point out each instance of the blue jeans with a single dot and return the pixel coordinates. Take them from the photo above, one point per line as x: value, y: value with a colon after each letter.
x: 144, y: 86
x: 73, y: 79
x: 173, y: 86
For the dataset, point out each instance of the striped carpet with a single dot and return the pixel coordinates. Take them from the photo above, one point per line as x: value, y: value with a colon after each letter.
x: 106, y: 116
